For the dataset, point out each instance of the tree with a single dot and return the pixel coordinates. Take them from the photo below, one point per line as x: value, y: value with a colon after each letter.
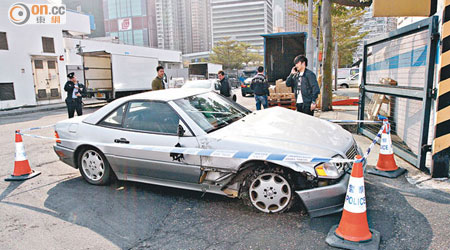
x: 327, y: 6
x: 234, y: 55
x: 345, y: 29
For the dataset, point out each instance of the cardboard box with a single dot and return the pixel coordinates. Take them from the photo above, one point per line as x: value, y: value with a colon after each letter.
x: 272, y: 90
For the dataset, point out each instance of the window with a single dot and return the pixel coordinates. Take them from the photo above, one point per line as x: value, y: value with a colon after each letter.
x: 138, y: 37
x: 136, y: 8
x: 115, y: 118
x: 38, y: 64
x: 51, y: 64
x: 7, y: 91
x: 3, y: 41
x: 112, y: 9
x: 154, y: 117
x: 48, y: 45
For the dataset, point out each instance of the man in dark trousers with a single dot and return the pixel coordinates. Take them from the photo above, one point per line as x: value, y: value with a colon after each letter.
x: 158, y: 82
x: 75, y: 91
x: 261, y: 88
x: 225, y: 88
x: 304, y: 84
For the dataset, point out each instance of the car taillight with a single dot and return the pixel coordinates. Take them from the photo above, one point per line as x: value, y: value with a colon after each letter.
x: 57, y: 137
x: 242, y: 85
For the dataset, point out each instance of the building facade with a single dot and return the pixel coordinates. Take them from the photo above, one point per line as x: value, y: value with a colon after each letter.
x: 93, y: 8
x: 131, y: 21
x: 375, y: 26
x: 240, y: 20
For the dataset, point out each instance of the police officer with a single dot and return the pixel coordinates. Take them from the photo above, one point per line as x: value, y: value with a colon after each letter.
x: 75, y: 91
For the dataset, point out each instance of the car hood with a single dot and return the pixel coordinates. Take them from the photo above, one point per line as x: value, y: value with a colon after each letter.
x: 281, y: 130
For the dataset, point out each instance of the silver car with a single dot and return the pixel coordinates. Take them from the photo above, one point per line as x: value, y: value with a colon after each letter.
x: 212, y: 85
x: 111, y: 143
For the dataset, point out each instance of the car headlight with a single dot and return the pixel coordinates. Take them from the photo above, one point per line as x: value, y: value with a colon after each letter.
x: 330, y: 170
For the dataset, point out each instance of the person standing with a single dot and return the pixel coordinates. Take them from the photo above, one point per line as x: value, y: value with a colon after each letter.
x: 225, y: 88
x: 158, y: 83
x: 260, y: 87
x: 304, y: 84
x: 75, y: 92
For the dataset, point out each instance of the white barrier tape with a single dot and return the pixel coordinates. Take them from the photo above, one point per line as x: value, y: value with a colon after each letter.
x: 375, y: 140
x: 216, y: 153
x: 354, y: 121
x: 37, y: 128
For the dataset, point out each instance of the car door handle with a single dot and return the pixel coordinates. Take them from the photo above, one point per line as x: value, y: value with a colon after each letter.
x: 122, y: 140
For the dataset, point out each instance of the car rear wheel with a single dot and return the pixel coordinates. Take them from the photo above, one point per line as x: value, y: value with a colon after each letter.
x: 269, y: 190
x: 234, y: 98
x: 94, y: 167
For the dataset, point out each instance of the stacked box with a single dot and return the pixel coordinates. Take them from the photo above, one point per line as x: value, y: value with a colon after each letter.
x: 272, y: 90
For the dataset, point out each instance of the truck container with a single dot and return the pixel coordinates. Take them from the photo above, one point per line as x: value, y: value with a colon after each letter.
x: 280, y: 49
x: 109, y: 76
x: 203, y: 70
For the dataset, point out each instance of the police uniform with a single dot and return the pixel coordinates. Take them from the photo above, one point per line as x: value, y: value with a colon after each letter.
x: 74, y: 102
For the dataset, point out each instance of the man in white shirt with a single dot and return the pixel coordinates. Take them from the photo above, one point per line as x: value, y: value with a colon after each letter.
x: 304, y: 84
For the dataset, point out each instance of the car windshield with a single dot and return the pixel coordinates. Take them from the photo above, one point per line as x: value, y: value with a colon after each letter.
x: 211, y: 111
x: 206, y: 84
x: 248, y: 74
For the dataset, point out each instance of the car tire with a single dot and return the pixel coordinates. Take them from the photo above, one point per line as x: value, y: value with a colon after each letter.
x: 345, y: 86
x: 243, y: 94
x: 268, y: 190
x: 94, y: 166
x: 234, y: 98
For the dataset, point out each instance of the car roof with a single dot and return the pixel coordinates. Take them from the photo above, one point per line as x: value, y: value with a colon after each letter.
x: 165, y: 95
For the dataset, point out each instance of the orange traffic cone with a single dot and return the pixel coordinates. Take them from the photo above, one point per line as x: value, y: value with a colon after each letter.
x: 386, y: 165
x: 22, y: 169
x: 353, y: 230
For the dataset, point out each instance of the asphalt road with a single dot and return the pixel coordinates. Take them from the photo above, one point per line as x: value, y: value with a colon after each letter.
x: 59, y: 210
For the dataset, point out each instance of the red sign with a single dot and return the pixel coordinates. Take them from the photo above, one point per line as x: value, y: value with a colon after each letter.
x: 125, y: 24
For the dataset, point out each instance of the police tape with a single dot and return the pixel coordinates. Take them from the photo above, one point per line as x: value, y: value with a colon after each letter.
x: 236, y: 154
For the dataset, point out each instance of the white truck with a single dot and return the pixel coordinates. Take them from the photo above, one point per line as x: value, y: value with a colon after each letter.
x: 110, y: 76
x: 203, y: 70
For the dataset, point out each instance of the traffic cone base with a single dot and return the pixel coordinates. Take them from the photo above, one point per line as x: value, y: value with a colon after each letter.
x: 23, y: 177
x: 388, y: 174
x: 336, y: 241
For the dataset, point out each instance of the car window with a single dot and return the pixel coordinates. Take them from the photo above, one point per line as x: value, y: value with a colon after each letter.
x: 156, y: 117
x: 114, y: 119
x: 211, y: 111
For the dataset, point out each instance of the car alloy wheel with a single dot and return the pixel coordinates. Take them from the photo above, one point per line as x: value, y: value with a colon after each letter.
x: 94, y: 167
x: 270, y: 193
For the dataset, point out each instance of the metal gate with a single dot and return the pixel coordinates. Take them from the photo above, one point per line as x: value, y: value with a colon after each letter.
x: 398, y: 82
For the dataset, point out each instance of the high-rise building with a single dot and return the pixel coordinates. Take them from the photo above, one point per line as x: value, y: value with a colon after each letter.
x: 93, y: 8
x: 184, y: 25
x: 131, y: 21
x: 291, y: 24
x: 241, y: 20
x: 376, y: 26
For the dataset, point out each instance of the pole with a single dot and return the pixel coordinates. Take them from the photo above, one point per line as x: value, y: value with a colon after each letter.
x: 318, y: 40
x: 335, y: 65
x: 310, y: 45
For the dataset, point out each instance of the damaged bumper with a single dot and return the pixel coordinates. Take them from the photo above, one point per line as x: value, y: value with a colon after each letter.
x: 325, y: 200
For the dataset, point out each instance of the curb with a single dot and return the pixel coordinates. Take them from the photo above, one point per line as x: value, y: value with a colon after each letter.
x: 35, y: 109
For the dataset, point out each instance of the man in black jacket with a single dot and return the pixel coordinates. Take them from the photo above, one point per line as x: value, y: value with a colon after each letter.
x: 304, y: 84
x: 261, y: 88
x: 225, y: 88
x: 75, y: 91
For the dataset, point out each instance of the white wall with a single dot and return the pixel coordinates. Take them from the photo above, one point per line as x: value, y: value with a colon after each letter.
x: 24, y: 42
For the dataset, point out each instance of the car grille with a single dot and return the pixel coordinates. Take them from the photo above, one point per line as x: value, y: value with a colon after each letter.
x: 352, y: 151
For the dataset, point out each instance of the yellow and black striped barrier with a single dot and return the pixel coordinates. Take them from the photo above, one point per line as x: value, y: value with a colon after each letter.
x: 441, y: 142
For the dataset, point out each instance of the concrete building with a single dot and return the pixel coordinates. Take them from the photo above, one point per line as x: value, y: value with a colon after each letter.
x: 375, y: 26
x: 201, y: 26
x: 284, y: 19
x: 240, y: 20
x: 93, y: 8
x: 132, y: 21
x: 33, y: 70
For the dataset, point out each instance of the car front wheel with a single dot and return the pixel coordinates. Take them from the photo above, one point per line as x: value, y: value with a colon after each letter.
x: 269, y: 190
x: 94, y: 167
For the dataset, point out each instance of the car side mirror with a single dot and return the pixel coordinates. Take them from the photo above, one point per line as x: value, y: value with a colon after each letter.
x: 180, y: 131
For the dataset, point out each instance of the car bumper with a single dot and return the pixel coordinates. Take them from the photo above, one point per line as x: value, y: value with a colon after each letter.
x: 325, y: 200
x: 66, y: 155
x: 247, y: 90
